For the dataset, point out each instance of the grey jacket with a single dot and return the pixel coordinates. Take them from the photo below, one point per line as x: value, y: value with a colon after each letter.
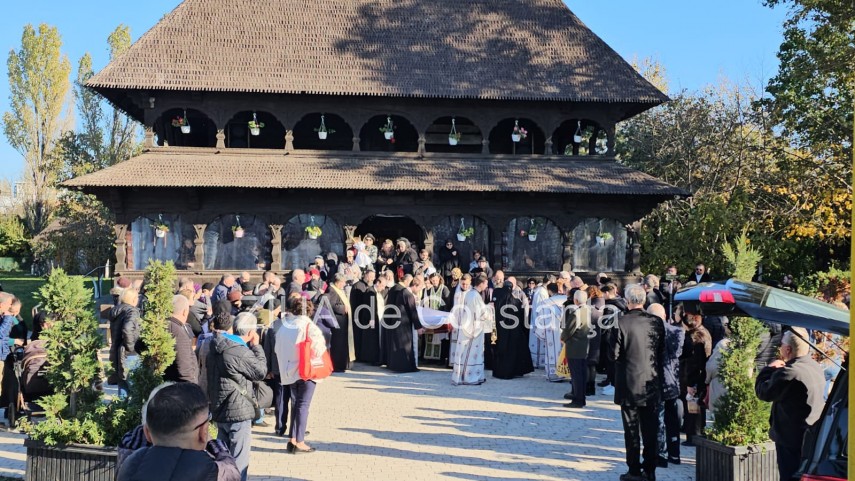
x: 230, y: 365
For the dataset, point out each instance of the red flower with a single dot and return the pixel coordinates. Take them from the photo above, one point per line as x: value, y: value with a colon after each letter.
x: 392, y: 140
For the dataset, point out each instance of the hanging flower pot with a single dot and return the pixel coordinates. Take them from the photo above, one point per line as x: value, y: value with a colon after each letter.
x: 454, y: 136
x: 238, y: 232
x: 323, y: 131
x: 453, y: 140
x: 461, y: 237
x: 388, y: 129
x: 516, y: 137
x: 255, y: 127
x: 182, y: 122
x: 601, y: 241
x: 160, y: 230
x: 532, y: 237
x: 465, y: 233
x: 389, y: 135
x: 577, y: 137
x: 313, y: 232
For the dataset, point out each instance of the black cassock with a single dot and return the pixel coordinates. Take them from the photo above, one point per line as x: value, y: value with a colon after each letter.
x: 513, y: 358
x: 369, y: 348
x: 358, y: 297
x: 398, y: 351
x: 339, y: 347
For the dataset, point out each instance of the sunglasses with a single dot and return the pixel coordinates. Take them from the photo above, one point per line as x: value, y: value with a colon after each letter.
x: 205, y: 422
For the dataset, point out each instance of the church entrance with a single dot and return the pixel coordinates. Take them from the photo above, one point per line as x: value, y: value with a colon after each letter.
x: 392, y: 227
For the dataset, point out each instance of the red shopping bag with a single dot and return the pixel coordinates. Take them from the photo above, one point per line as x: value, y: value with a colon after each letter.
x: 312, y: 368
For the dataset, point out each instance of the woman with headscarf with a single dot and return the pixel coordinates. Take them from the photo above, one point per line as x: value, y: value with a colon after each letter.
x: 405, y: 258
x: 385, y: 256
x: 448, y: 260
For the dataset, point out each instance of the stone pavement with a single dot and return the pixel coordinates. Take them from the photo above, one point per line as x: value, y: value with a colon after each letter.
x: 369, y: 424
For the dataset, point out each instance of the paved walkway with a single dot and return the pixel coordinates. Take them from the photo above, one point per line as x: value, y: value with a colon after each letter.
x: 370, y: 424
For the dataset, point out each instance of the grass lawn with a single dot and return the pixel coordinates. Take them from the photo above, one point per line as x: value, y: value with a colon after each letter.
x: 25, y: 287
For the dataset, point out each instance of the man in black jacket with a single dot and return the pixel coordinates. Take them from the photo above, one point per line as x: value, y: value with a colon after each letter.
x: 176, y: 423
x: 637, y: 354
x: 185, y: 368
x: 235, y: 361
x: 795, y: 387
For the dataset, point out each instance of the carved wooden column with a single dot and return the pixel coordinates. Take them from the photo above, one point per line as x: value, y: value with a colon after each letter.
x: 567, y: 249
x: 547, y: 147
x: 356, y: 141
x: 148, y: 140
x: 289, y: 141
x: 485, y: 146
x: 349, y: 231
x: 422, y: 142
x: 276, y: 245
x: 121, y: 231
x: 429, y: 241
x: 221, y: 139
x: 199, y: 242
x: 610, y: 142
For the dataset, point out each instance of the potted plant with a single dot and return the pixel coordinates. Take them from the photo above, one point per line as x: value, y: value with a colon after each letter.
x: 313, y: 231
x: 323, y: 132
x: 388, y: 130
x: 603, y: 237
x: 737, y: 448
x: 454, y: 138
x: 255, y: 127
x: 533, y: 230
x: 238, y: 231
x: 577, y: 137
x: 519, y: 133
x: 160, y: 230
x: 465, y: 232
x: 183, y: 123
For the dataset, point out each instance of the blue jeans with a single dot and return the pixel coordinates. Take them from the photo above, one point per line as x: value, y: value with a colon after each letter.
x: 237, y: 438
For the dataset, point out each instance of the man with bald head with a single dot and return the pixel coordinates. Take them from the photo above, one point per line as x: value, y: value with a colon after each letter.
x: 184, y: 368
x: 226, y: 285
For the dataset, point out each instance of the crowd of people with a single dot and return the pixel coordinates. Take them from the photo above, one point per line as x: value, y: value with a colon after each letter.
x: 236, y: 346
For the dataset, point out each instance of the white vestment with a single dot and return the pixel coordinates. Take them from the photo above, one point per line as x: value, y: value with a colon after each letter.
x: 547, y: 326
x: 454, y: 319
x: 475, y: 320
x: 537, y: 346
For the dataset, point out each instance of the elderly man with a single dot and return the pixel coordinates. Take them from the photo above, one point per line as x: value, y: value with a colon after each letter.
x: 226, y: 285
x: 176, y: 424
x: 185, y: 368
x: 651, y: 287
x: 298, y: 278
x: 234, y: 362
x: 335, y: 308
x: 637, y: 353
x: 795, y: 387
x: 574, y: 336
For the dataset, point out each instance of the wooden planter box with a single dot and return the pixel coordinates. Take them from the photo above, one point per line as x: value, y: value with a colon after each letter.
x: 717, y: 462
x: 75, y: 462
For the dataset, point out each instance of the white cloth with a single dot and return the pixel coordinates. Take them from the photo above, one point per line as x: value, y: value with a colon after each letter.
x: 537, y: 346
x: 475, y: 319
x: 547, y: 325
x: 432, y: 318
x: 362, y: 258
x: 293, y: 331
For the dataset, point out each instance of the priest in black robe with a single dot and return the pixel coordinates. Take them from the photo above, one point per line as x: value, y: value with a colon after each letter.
x: 399, y: 320
x: 512, y: 355
x: 360, y: 296
x: 335, y: 303
x: 370, y: 351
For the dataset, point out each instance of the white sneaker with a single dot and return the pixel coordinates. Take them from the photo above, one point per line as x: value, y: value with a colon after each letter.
x: 609, y: 390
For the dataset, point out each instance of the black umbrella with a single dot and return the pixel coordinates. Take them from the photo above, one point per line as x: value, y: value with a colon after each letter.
x: 766, y: 303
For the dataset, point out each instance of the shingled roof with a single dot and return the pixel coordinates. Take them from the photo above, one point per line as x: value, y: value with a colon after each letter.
x: 273, y: 169
x: 480, y: 49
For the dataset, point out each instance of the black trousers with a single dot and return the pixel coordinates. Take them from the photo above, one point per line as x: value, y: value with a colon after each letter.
x: 301, y: 399
x: 281, y: 398
x: 789, y: 458
x: 673, y: 418
x: 643, y: 420
x: 579, y: 377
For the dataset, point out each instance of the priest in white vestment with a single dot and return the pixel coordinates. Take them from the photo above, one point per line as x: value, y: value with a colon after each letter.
x: 547, y: 328
x: 475, y: 319
x: 459, y: 293
x: 537, y: 346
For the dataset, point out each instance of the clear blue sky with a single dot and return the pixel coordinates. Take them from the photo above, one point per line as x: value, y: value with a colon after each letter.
x: 697, y: 42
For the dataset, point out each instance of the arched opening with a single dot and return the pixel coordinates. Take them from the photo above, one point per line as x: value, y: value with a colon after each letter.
x: 599, y: 245
x: 185, y: 128
x: 579, y: 137
x: 319, y: 131
x: 534, y: 245
x: 453, y: 135
x: 504, y: 140
x: 255, y: 130
x: 162, y: 237
x: 300, y: 246
x: 392, y: 227
x: 478, y: 238
x: 240, y: 242
x: 388, y: 133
